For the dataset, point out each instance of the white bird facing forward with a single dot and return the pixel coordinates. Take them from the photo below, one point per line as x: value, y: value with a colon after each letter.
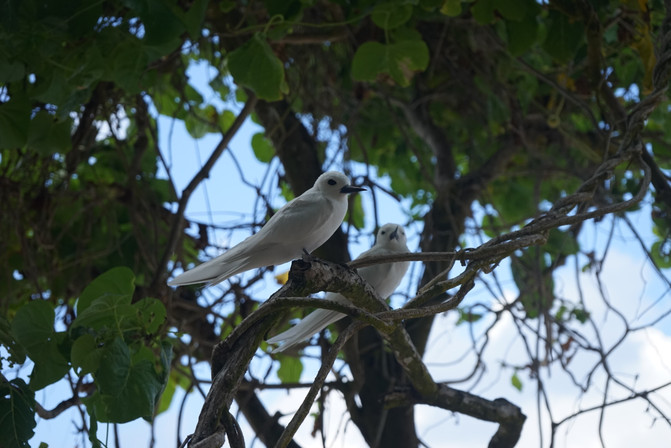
x: 384, y: 278
x: 302, y: 224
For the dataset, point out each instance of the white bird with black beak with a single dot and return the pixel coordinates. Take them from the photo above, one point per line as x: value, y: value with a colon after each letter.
x: 384, y: 278
x: 301, y: 225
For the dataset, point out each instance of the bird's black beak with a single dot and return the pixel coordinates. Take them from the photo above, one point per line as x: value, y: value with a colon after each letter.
x: 394, y: 235
x: 347, y: 189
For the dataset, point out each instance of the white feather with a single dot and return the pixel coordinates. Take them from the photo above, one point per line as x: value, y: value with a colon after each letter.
x: 384, y: 278
x: 303, y: 224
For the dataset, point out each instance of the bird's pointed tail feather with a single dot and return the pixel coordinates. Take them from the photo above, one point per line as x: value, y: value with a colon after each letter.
x: 311, y: 324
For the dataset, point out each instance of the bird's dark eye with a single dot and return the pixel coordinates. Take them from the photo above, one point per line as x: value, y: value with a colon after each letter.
x: 332, y: 182
x: 382, y: 232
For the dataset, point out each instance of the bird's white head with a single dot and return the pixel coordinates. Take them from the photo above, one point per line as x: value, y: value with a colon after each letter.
x: 335, y: 184
x: 391, y: 234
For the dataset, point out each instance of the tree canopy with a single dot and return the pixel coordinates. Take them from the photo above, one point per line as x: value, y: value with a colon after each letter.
x: 502, y: 129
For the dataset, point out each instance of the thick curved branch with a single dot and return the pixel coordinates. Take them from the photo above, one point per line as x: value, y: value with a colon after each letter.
x: 509, y: 417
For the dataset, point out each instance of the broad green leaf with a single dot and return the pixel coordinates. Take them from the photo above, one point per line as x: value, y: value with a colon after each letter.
x: 152, y: 314
x: 514, y: 9
x: 193, y: 18
x: 226, y: 119
x: 163, y: 24
x: 369, y: 61
x: 50, y: 364
x: 85, y: 354
x: 17, y: 414
x: 290, y: 369
x: 48, y: 135
x: 516, y: 382
x: 11, y: 71
x: 451, y: 8
x: 114, y: 369
x: 196, y: 125
x: 483, y: 11
x: 255, y: 65
x: 33, y: 328
x: 14, y: 123
x: 430, y: 5
x: 391, y: 15
x: 110, y: 311
x: 137, y: 397
x: 400, y: 60
x: 263, y: 148
x: 661, y: 254
x: 356, y: 213
x: 126, y: 64
x: 521, y: 35
x: 119, y: 280
x: 167, y: 395
x: 564, y: 36
x: 17, y: 353
x: 34, y: 324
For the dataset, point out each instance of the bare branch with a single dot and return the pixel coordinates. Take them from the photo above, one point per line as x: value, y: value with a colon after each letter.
x: 509, y: 417
x: 195, y: 181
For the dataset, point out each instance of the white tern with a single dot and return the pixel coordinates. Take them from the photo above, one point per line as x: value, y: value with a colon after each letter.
x: 384, y: 278
x: 301, y: 225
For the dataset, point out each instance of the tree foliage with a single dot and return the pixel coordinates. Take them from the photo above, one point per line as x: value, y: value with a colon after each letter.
x: 511, y: 122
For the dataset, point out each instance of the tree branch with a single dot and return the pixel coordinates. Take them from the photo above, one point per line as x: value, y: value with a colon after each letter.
x: 509, y: 417
x: 195, y: 181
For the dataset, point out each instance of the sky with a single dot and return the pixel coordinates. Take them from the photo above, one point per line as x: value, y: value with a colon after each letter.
x: 630, y: 285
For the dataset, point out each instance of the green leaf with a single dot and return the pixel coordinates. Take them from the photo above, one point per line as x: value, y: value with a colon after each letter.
x: 175, y: 379
x: 391, y: 15
x: 263, y: 148
x: 136, y: 398
x: 356, y: 213
x: 17, y: 354
x: 290, y: 369
x: 521, y: 35
x: 85, y: 354
x: 47, y: 135
x: 193, y: 18
x: 563, y: 36
x: 226, y: 119
x: 468, y: 316
x: 111, y: 311
x: 167, y: 395
x: 580, y: 314
x: 483, y: 11
x: 33, y: 328
x: 11, y: 71
x: 255, y: 65
x: 514, y: 9
x: 661, y: 254
x: 369, y: 61
x: 152, y: 314
x: 14, y: 123
x: 114, y: 369
x: 163, y: 24
x: 119, y: 280
x: 400, y: 60
x: 516, y: 382
x: 17, y: 414
x: 196, y: 125
x: 451, y: 8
